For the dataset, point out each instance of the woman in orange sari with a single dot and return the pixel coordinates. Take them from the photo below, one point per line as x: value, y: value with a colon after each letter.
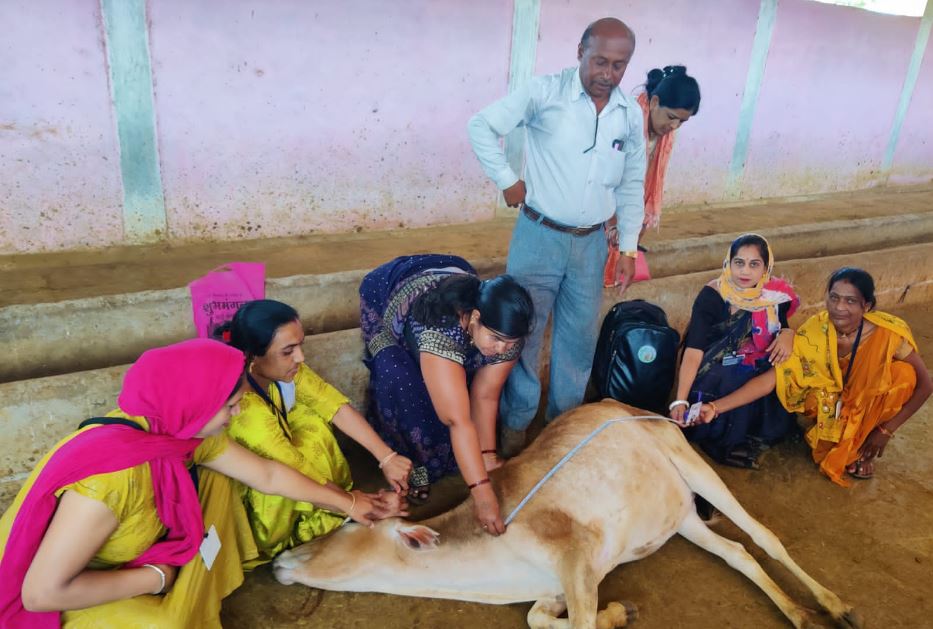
x: 855, y: 376
x: 670, y: 98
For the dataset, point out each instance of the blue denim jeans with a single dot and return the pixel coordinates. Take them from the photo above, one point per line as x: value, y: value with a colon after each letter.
x: 564, y: 274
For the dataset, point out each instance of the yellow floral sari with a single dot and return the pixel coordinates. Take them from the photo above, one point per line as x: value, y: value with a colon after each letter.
x: 810, y: 383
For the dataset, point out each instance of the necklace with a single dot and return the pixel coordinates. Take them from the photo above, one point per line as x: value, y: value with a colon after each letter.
x: 846, y: 335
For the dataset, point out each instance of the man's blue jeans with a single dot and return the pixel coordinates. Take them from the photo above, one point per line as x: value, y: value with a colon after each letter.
x: 564, y: 274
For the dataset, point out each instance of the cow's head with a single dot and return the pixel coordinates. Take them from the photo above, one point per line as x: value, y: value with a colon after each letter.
x: 351, y: 556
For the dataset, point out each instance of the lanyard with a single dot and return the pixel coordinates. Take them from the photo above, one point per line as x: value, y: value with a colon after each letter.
x: 858, y: 337
x: 280, y: 413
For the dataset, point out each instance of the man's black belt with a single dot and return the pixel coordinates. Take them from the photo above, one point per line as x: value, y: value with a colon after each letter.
x: 576, y: 231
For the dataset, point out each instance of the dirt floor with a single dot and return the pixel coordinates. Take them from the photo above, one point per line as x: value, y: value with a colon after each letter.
x: 872, y: 544
x: 49, y: 277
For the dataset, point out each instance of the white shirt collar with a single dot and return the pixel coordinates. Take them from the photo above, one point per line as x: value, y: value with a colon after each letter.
x: 577, y: 91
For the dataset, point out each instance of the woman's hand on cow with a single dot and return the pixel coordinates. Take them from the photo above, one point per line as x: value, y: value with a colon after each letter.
x: 361, y: 509
x: 491, y: 461
x: 678, y: 412
x: 397, y: 470
x: 781, y: 347
x: 486, y: 507
x: 387, y: 504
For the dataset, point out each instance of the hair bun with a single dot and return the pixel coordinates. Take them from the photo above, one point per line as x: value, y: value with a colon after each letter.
x: 674, y: 70
x: 654, y: 78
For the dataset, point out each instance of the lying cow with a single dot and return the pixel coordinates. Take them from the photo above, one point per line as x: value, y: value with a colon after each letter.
x: 620, y: 498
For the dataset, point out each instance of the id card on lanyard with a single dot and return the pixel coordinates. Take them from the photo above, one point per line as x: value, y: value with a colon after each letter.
x: 732, y: 359
x: 845, y: 378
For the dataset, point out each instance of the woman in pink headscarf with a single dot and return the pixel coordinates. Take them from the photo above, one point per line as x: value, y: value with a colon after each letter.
x: 106, y: 531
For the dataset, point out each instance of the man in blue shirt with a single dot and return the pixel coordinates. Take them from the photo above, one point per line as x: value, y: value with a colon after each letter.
x: 585, y: 162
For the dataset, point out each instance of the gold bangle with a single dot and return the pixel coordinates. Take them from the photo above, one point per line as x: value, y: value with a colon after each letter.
x: 630, y: 254
x: 352, y: 504
x: 715, y: 410
x: 885, y: 431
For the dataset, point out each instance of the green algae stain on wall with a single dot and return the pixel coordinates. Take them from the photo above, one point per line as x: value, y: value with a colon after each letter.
x: 131, y: 89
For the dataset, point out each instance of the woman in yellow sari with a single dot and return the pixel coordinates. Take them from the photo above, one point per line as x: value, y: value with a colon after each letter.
x: 287, y: 414
x: 855, y: 376
x: 111, y: 531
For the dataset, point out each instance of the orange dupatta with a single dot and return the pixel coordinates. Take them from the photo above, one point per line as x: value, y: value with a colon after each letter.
x: 810, y: 382
x: 654, y: 187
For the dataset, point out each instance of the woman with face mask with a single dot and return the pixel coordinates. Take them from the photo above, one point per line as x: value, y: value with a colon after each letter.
x: 132, y: 520
x: 288, y: 414
x: 855, y: 376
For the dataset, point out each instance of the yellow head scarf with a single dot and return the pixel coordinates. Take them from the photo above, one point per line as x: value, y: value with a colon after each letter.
x: 754, y: 298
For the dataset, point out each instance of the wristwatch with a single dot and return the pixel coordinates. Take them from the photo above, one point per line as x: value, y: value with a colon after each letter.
x: 630, y: 254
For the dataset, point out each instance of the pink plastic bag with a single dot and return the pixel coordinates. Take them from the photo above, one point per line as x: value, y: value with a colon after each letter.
x: 642, y: 273
x: 216, y: 296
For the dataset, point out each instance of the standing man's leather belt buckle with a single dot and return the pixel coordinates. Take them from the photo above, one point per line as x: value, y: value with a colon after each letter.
x: 575, y: 231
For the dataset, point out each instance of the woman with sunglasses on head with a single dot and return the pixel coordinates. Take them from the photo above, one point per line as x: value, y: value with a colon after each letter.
x: 288, y: 414
x: 107, y: 529
x: 855, y: 377
x: 440, y: 345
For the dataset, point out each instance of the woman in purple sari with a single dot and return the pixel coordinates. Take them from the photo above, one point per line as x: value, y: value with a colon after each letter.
x: 440, y: 344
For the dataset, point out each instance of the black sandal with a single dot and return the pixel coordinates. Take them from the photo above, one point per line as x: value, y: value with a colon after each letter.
x: 745, y: 457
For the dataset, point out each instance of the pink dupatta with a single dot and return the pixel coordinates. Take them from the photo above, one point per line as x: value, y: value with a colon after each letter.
x: 179, y: 389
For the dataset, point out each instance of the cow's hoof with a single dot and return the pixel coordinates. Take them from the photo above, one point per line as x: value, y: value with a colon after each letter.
x: 850, y: 620
x: 616, y: 614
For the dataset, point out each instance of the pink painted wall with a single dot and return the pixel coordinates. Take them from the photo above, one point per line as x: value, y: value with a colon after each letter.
x: 60, y: 184
x: 280, y: 118
x: 290, y: 117
x: 714, y: 45
x: 913, y: 158
x: 831, y: 86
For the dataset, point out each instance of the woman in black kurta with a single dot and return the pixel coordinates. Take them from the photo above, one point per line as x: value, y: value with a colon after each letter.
x: 738, y: 330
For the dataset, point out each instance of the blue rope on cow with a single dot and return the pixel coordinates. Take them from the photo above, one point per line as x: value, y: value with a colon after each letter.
x: 569, y: 455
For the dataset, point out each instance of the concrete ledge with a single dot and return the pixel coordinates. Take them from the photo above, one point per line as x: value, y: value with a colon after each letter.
x: 35, y: 413
x: 796, y: 242
x: 62, y: 337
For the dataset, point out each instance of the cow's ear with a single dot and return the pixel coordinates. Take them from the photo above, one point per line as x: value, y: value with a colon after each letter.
x: 418, y: 537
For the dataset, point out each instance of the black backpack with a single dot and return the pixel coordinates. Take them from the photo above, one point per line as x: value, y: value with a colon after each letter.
x: 636, y: 356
